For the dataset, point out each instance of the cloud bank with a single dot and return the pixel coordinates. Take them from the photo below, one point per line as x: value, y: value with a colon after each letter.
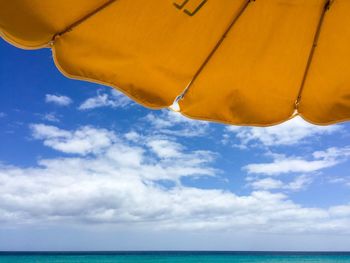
x: 101, y: 178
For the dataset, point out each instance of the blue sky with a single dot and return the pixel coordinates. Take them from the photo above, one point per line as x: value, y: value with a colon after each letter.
x: 84, y: 168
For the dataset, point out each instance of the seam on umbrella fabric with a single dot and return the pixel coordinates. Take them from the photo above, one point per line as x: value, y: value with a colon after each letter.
x: 216, y: 47
x: 81, y: 20
x: 325, y: 9
x: 9, y: 38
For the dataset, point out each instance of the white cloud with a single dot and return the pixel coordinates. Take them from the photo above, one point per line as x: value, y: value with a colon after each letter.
x: 82, y: 141
x: 333, y: 153
x: 170, y: 161
x: 343, y: 180
x: 165, y: 148
x: 58, y: 99
x: 292, y: 132
x: 290, y: 165
x: 298, y: 183
x: 284, y: 165
x: 3, y: 114
x: 173, y: 123
x: 132, y: 136
x: 96, y: 191
x: 52, y: 117
x: 113, y: 99
x: 120, y: 184
x: 341, y: 210
x: 267, y: 184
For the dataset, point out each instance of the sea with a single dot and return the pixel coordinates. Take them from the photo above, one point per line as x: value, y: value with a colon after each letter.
x: 172, y: 257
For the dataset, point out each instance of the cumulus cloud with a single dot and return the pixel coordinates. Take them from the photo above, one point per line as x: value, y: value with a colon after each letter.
x: 169, y: 161
x: 113, y: 99
x: 173, y: 123
x: 165, y: 148
x: 288, y: 165
x: 266, y: 184
x: 333, y: 153
x: 58, y: 99
x: 82, y: 141
x: 52, y: 117
x: 343, y: 210
x: 97, y: 191
x: 343, y: 180
x: 292, y: 132
x: 284, y: 165
x: 121, y: 184
x: 298, y: 183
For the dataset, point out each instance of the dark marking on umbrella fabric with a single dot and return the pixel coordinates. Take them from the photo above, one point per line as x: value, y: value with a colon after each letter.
x: 182, y: 6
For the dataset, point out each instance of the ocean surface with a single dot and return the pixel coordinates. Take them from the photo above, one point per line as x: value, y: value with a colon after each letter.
x: 171, y: 257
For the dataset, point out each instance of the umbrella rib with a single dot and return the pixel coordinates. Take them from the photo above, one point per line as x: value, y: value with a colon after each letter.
x: 312, y: 52
x: 81, y: 20
x: 216, y: 47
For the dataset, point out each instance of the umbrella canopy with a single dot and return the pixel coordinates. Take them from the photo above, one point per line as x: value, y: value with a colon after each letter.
x: 243, y: 62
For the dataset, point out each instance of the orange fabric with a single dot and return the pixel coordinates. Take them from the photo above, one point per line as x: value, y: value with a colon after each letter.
x: 326, y: 96
x: 254, y: 77
x: 32, y: 23
x: 152, y: 50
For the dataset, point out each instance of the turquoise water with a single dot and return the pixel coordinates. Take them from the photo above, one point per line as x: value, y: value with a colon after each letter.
x: 172, y: 257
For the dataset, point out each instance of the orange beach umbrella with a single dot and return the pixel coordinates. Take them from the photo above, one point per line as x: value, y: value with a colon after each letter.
x: 244, y: 62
